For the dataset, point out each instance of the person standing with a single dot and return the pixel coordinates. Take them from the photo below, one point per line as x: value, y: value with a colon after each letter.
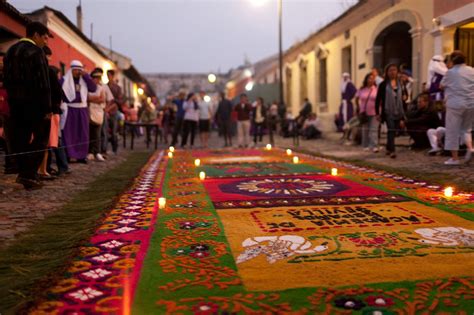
x: 76, y: 85
x: 45, y: 170
x: 346, y: 109
x: 243, y: 110
x: 191, y: 118
x: 365, y: 102
x: 10, y: 166
x: 205, y: 114
x: 114, y: 109
x: 29, y: 97
x: 389, y: 106
x: 436, y: 71
x: 97, y: 103
x: 259, y: 114
x: 458, y: 85
x: 224, y: 119
x: 168, y: 117
x: 178, y: 124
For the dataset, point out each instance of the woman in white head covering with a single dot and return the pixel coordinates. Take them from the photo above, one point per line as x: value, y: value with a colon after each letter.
x: 436, y: 71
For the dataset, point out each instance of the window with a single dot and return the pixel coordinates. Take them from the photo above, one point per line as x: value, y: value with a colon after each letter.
x: 323, y: 84
x: 303, y: 80
x: 464, y: 41
x: 288, y: 87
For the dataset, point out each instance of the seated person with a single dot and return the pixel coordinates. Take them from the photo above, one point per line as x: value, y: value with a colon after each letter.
x: 352, y: 131
x: 420, y: 119
x: 311, y: 127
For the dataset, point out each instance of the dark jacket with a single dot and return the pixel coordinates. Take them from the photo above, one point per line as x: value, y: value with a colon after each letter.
x: 224, y: 111
x: 56, y: 91
x: 27, y: 81
x: 380, y: 99
x: 422, y: 119
x: 243, y: 112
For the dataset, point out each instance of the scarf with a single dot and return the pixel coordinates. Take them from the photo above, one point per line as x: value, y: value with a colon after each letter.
x: 69, y: 88
x: 436, y: 65
x: 393, y: 102
x: 344, y: 82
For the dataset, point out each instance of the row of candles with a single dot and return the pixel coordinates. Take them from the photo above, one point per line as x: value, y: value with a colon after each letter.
x: 448, y: 191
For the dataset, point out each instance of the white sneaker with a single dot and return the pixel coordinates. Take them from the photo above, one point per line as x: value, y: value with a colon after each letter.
x: 366, y: 149
x: 452, y: 162
x: 99, y: 157
x: 375, y: 150
x: 90, y: 157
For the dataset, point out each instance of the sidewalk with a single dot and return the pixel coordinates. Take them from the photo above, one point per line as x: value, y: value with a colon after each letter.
x: 417, y: 162
x: 21, y: 209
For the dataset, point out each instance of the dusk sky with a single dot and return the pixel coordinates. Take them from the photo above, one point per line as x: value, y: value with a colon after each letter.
x: 195, y: 35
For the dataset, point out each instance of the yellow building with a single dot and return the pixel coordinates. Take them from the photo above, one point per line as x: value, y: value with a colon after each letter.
x: 370, y: 34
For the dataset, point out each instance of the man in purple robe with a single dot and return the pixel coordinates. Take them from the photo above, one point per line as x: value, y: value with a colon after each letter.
x: 346, y: 109
x: 76, y: 85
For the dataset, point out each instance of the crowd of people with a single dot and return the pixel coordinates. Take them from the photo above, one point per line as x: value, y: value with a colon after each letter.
x: 75, y: 117
x: 48, y: 117
x: 440, y: 118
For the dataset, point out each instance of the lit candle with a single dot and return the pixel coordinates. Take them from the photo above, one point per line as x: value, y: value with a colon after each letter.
x: 197, y: 162
x: 162, y: 202
x: 296, y: 160
x: 269, y: 146
x: 334, y: 171
x: 289, y: 152
x: 171, y: 149
x: 170, y: 155
x: 202, y: 175
x: 448, y: 191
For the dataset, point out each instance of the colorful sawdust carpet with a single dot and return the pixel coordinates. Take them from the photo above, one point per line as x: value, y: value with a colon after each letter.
x: 261, y: 235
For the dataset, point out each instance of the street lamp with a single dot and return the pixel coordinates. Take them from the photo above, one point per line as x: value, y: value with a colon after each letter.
x: 212, y: 78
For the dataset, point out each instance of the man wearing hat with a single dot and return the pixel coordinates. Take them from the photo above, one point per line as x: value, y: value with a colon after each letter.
x: 76, y: 86
x: 28, y: 87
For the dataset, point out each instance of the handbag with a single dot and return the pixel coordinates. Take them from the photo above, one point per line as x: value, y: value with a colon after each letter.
x: 96, y: 113
x: 363, y: 117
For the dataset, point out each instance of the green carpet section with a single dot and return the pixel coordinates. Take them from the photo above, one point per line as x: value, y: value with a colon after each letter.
x: 240, y: 169
x: 30, y: 263
x: 154, y: 270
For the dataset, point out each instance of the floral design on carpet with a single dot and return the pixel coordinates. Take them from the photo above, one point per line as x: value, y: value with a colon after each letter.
x: 426, y: 296
x: 282, y: 186
x: 277, y: 247
x: 108, y: 268
x: 447, y: 236
x: 190, y: 251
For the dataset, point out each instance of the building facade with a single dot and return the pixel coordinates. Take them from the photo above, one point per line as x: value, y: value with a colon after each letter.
x: 166, y: 83
x: 69, y: 43
x: 12, y: 25
x: 370, y: 34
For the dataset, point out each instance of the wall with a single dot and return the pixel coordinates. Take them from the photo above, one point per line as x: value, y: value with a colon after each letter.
x: 418, y: 14
x: 65, y: 53
x: 444, y: 6
x: 13, y: 26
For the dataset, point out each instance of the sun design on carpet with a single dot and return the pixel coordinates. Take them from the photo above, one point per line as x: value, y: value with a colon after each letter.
x: 285, y: 186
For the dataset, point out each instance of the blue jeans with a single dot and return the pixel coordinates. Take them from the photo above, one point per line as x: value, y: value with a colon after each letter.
x: 61, y: 157
x: 370, y: 133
